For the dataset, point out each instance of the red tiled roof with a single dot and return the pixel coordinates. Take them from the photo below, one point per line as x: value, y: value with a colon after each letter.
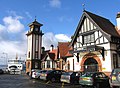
x: 68, y: 55
x: 64, y: 49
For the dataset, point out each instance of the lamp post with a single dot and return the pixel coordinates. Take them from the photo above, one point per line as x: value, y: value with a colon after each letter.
x: 6, y: 57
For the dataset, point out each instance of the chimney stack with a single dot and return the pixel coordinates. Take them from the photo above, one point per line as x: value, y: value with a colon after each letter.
x: 51, y: 48
x: 118, y: 20
x: 42, y: 50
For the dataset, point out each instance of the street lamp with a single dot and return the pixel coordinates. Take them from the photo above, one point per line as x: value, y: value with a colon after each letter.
x: 6, y: 57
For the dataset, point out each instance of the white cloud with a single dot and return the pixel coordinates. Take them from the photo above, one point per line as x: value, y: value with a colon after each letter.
x: 28, y: 14
x: 62, y: 37
x: 51, y: 39
x: 2, y: 27
x: 14, y: 41
x: 12, y: 48
x: 13, y: 24
x: 12, y: 37
x: 55, y: 3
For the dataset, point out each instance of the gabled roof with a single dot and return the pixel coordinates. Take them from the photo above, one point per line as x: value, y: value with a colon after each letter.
x: 62, y: 50
x: 105, y: 26
x: 53, y: 55
x: 44, y: 55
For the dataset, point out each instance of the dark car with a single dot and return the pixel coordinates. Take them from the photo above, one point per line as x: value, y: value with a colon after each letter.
x: 95, y: 79
x: 1, y: 71
x: 115, y: 78
x: 51, y: 75
x: 70, y: 77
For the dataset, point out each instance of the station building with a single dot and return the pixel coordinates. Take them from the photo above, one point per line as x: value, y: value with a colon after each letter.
x: 96, y: 43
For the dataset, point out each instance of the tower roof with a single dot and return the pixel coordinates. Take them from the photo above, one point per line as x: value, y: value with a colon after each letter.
x: 35, y: 23
x: 118, y: 15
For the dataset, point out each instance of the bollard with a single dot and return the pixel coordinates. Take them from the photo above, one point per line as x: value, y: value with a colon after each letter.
x: 62, y: 84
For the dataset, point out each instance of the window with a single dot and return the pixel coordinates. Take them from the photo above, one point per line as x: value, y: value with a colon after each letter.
x: 88, y: 38
x: 43, y: 64
x: 48, y: 64
x: 29, y: 54
x: 68, y: 65
x: 36, y: 54
x: 115, y: 61
x: 36, y: 29
x: 85, y: 39
x: 77, y: 57
x: 36, y: 64
x: 36, y: 43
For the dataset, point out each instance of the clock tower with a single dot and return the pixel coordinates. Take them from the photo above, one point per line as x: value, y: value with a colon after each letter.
x: 34, y: 39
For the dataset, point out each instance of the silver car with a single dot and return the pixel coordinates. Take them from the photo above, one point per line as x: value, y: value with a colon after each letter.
x: 70, y: 77
x: 115, y: 78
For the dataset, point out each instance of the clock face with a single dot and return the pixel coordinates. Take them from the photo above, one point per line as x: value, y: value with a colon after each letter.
x: 36, y: 29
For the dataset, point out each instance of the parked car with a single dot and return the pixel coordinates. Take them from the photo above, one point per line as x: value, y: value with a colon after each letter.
x: 14, y: 70
x: 115, y: 78
x: 51, y: 75
x: 31, y: 72
x: 1, y: 71
x: 95, y: 79
x: 70, y: 77
x: 36, y: 73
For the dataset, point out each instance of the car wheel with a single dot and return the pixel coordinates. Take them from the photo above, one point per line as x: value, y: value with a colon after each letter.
x: 115, y: 87
x: 75, y: 82
x: 82, y: 86
x: 53, y: 80
x: 38, y: 77
x: 97, y: 85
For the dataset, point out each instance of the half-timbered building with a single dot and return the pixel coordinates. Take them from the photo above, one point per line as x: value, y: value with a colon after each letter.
x: 96, y: 44
x: 50, y: 58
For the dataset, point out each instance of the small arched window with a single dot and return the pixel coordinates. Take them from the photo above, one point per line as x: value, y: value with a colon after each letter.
x: 29, y: 54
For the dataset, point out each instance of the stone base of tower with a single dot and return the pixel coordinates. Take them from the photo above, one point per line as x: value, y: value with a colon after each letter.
x: 32, y: 64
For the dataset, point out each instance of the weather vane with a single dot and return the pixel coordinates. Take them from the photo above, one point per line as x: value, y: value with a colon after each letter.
x: 83, y: 6
x: 35, y: 18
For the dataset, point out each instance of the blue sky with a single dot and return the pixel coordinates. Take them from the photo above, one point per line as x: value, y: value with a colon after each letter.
x: 59, y: 18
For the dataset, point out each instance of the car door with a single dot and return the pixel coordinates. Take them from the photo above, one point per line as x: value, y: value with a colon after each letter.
x: 58, y: 74
x: 101, y: 79
x: 55, y: 75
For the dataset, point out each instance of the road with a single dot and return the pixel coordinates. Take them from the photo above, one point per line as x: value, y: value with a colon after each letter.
x: 23, y: 81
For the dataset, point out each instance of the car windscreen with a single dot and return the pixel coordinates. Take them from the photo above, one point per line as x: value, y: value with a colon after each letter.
x: 116, y: 71
x: 87, y: 74
x: 67, y: 73
x: 49, y: 71
x: 44, y: 71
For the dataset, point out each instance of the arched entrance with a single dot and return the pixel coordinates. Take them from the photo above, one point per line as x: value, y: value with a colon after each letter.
x: 90, y: 65
x: 91, y: 62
